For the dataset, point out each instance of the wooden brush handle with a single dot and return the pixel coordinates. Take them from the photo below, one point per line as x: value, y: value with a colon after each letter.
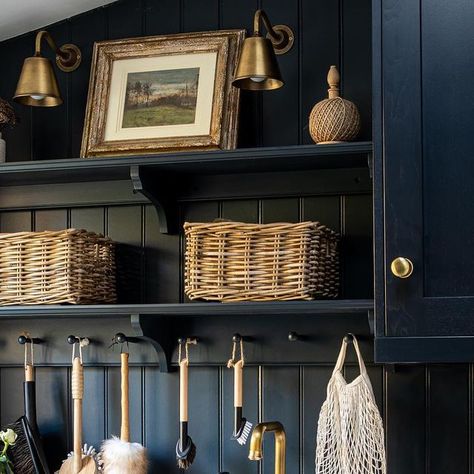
x: 77, y: 383
x: 29, y: 373
x: 125, y: 427
x: 238, y: 371
x: 183, y: 390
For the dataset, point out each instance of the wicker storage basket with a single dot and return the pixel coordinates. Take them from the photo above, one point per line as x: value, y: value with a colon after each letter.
x: 68, y: 266
x: 232, y: 261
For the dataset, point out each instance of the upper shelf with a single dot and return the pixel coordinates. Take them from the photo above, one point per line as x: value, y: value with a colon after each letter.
x: 298, y: 157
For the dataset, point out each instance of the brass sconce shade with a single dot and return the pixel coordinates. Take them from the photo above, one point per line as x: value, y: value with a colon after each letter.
x: 258, y: 67
x: 37, y: 85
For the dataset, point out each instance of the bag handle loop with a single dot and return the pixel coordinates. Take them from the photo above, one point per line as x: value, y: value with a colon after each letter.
x: 342, y: 356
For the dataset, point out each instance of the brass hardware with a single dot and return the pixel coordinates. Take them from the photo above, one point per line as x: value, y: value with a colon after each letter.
x: 256, y: 442
x: 37, y: 85
x: 402, y: 267
x: 258, y: 67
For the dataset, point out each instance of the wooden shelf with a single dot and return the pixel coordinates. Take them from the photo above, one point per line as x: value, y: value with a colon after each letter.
x: 165, y: 178
x: 343, y: 155
x: 295, y: 308
x: 161, y: 324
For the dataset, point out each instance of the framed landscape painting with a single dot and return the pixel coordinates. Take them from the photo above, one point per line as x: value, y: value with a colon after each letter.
x: 163, y: 94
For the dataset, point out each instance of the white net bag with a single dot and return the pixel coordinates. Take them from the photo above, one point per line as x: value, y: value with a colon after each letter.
x: 350, y: 436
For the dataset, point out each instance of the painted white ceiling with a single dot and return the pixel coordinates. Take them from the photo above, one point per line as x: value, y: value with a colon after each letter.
x: 22, y: 16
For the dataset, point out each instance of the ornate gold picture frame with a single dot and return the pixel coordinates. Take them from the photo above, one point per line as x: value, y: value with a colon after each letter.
x: 163, y: 94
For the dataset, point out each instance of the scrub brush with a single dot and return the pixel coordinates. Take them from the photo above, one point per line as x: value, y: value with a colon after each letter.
x: 185, y: 448
x: 242, y: 427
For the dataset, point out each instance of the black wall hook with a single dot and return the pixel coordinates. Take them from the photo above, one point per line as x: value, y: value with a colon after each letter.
x: 189, y: 340
x: 121, y: 338
x: 349, y: 338
x: 293, y: 336
x: 29, y: 340
x: 84, y: 341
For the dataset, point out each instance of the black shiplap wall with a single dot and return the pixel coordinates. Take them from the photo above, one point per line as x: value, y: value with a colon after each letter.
x: 427, y: 410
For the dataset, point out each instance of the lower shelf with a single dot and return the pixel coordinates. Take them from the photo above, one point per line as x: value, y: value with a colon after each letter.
x: 157, y: 327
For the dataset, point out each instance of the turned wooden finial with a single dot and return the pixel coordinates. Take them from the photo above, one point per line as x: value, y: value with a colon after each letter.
x: 334, y: 78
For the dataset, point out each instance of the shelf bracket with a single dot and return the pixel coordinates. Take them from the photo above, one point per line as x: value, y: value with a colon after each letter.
x: 156, y: 331
x: 160, y: 190
x: 370, y: 163
x: 371, y: 319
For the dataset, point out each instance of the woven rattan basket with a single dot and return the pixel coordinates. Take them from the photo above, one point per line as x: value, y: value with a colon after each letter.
x: 232, y: 261
x: 68, y: 266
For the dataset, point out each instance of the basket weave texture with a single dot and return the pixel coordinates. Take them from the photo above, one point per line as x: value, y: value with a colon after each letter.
x: 53, y: 267
x: 233, y: 261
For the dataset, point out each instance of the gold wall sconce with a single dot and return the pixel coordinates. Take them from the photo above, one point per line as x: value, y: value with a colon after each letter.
x: 37, y: 85
x: 258, y: 66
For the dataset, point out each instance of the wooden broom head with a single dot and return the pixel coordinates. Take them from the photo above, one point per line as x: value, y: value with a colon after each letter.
x: 121, y: 457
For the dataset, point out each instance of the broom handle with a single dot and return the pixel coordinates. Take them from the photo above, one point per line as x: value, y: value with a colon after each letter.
x: 238, y: 368
x: 77, y: 384
x: 125, y: 427
x: 29, y: 373
x: 183, y: 390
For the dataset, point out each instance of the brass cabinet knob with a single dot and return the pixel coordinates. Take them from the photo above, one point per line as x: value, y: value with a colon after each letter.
x: 402, y: 267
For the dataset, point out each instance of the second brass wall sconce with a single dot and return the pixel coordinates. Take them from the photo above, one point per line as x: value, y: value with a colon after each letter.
x: 258, y: 67
x: 37, y: 85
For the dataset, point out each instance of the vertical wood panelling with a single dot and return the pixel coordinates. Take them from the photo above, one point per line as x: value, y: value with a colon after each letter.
x: 405, y: 420
x: 15, y: 221
x: 240, y: 211
x: 319, y: 31
x: 162, y: 273
x: 125, y: 226
x: 94, y: 412
x: 161, y: 419
x: 449, y: 413
x: 280, y: 210
x: 85, y: 30
x: 54, y: 415
x: 162, y: 17
x: 50, y: 131
x: 314, y: 385
x: 89, y: 218
x: 200, y: 16
x: 357, y: 68
x: 281, y: 402
x: 235, y: 456
x: 19, y: 139
x: 117, y: 27
x: 280, y: 119
x: 51, y: 219
x: 240, y: 15
x: 357, y: 247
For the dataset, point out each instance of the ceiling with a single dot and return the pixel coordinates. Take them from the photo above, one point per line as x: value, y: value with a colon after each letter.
x: 22, y: 16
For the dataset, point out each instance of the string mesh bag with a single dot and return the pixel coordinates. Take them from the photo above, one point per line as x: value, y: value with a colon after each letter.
x: 350, y: 437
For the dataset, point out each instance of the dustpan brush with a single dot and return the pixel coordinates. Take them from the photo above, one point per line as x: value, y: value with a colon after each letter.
x: 185, y: 448
x: 119, y: 456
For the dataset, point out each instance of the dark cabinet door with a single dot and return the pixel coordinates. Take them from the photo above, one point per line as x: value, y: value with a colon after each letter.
x: 424, y: 178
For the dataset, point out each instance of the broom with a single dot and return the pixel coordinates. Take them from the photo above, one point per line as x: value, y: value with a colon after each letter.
x: 119, y: 456
x: 78, y: 463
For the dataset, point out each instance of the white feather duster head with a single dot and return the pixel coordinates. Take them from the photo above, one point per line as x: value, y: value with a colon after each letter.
x: 120, y: 457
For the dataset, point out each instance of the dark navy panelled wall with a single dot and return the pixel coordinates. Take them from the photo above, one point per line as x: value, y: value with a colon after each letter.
x: 428, y: 411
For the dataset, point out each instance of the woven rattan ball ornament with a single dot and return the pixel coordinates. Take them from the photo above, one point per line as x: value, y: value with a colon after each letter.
x: 334, y: 120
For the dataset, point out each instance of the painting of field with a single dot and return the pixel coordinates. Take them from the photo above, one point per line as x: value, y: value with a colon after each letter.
x: 158, y: 98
